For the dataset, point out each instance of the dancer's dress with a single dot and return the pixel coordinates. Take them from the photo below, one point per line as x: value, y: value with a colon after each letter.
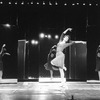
x: 60, y: 56
x: 48, y: 65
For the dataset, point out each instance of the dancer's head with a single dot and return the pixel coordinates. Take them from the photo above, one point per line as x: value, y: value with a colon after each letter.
x: 66, y: 38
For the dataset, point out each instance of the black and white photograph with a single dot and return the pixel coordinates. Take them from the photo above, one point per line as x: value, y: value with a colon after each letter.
x: 49, y: 50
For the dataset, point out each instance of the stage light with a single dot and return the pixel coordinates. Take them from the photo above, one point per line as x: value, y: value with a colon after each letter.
x: 22, y: 3
x: 73, y: 4
x: 34, y: 42
x: 96, y: 4
x: 84, y: 4
x: 31, y: 2
x: 50, y: 3
x: 56, y: 3
x: 43, y: 3
x: 37, y: 3
x: 15, y: 3
x: 90, y: 4
x: 1, y: 2
x: 46, y: 36
x: 77, y: 3
x: 49, y: 36
x: 56, y: 36
x: 7, y: 25
x: 65, y: 4
x: 42, y: 35
x: 9, y: 3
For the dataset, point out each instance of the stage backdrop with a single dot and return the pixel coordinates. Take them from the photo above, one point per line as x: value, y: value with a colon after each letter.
x: 27, y: 61
x: 44, y: 48
x: 31, y: 60
x: 77, y: 69
x: 75, y: 60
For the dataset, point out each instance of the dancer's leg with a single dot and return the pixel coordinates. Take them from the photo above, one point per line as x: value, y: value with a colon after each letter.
x: 51, y: 74
x: 62, y: 75
x: 1, y: 74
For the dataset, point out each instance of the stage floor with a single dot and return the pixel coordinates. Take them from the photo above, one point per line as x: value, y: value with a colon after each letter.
x: 50, y: 91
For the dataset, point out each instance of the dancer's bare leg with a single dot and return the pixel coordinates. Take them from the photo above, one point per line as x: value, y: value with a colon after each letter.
x: 1, y: 74
x: 62, y: 76
x: 51, y: 74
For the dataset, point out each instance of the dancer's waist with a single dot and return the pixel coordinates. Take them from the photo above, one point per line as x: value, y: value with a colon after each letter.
x: 59, y: 53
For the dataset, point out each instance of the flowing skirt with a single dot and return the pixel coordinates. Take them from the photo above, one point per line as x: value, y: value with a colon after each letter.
x: 48, y: 66
x: 59, y: 60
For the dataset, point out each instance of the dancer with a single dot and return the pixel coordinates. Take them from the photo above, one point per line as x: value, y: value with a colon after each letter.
x: 98, y: 61
x: 48, y: 65
x: 60, y: 56
x: 2, y: 53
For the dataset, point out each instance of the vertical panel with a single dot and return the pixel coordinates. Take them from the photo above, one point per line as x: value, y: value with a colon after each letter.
x: 78, y: 61
x: 21, y: 58
x: 72, y: 60
x: 81, y: 61
x: 32, y: 68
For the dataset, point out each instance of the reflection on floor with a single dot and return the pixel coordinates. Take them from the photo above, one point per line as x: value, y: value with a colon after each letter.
x: 50, y: 91
x: 58, y: 80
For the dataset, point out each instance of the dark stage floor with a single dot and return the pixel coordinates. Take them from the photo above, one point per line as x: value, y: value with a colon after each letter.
x: 51, y: 90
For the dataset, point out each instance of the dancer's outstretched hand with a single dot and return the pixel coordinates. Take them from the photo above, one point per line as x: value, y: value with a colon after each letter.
x: 65, y: 68
x: 69, y: 29
x: 4, y: 45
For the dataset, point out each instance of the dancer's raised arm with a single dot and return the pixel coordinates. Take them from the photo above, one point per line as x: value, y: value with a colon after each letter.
x: 64, y: 32
x: 2, y: 48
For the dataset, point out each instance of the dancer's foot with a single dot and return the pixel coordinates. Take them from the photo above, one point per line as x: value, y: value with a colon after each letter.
x: 64, y: 68
x: 51, y: 78
x: 63, y: 84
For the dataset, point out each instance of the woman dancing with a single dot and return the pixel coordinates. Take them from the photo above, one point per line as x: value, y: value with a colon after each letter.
x: 48, y: 65
x: 60, y: 56
x: 2, y: 53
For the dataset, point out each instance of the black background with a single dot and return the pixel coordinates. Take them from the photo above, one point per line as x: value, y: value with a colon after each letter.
x: 29, y: 20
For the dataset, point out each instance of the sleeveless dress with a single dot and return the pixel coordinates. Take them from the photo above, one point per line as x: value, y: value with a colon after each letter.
x: 60, y: 56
